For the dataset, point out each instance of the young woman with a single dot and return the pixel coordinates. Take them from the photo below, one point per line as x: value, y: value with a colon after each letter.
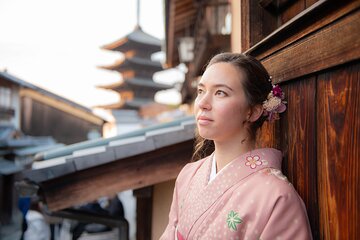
x: 238, y: 192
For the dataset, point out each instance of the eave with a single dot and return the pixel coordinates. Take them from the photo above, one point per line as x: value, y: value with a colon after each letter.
x: 131, y: 161
x: 136, y: 82
x: 133, y: 64
x: 137, y: 39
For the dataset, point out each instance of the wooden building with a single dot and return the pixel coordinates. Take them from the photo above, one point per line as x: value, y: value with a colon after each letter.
x: 33, y: 120
x: 137, y: 87
x: 312, y: 49
x: 38, y: 112
x: 208, y: 24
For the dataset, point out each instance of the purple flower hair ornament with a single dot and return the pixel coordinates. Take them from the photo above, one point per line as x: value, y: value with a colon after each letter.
x: 274, y: 104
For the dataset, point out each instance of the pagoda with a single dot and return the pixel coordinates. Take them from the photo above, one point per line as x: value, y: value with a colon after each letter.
x: 136, y: 88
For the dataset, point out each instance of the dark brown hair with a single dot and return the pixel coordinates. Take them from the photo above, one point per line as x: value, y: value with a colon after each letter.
x: 256, y: 87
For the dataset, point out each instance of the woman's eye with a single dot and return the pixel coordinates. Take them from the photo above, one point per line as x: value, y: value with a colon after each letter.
x: 199, y: 91
x: 220, y: 93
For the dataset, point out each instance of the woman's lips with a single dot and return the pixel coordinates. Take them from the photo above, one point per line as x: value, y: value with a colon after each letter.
x: 204, y: 120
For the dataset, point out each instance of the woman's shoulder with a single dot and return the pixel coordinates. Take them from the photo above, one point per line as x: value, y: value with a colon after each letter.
x: 188, y: 172
x: 191, y: 168
x: 281, y: 187
x: 268, y: 188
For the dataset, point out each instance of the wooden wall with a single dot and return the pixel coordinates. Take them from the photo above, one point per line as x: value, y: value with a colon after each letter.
x: 312, y: 49
x: 41, y: 119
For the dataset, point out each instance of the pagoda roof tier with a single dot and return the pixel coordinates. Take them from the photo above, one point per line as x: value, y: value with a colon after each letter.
x: 137, y: 39
x: 137, y: 82
x: 134, y: 104
x: 134, y: 63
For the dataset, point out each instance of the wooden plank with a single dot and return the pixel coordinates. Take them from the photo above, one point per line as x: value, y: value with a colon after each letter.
x: 338, y: 140
x: 184, y: 8
x: 174, y: 23
x: 291, y: 9
x: 130, y: 173
x: 317, y: 16
x: 283, y: 29
x: 144, y: 202
x: 298, y: 129
x: 170, y: 30
x: 245, y: 25
x: 267, y: 136
x: 185, y: 16
x: 318, y: 51
x: 262, y: 22
x: 182, y: 3
x: 308, y: 3
x: 266, y: 3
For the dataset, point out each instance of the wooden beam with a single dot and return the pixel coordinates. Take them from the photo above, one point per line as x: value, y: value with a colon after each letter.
x: 185, y: 14
x: 184, y: 8
x: 307, y: 22
x: 182, y: 3
x: 338, y: 140
x: 333, y: 45
x: 144, y: 203
x: 297, y: 136
x: 170, y: 30
x: 131, y: 173
x: 244, y: 25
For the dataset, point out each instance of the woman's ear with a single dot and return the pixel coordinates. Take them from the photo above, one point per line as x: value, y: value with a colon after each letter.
x: 256, y: 113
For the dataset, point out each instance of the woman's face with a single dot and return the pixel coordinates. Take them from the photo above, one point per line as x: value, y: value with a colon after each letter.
x: 221, y: 106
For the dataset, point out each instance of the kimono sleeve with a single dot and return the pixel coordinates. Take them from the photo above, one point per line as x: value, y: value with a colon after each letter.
x: 288, y: 219
x: 181, y: 185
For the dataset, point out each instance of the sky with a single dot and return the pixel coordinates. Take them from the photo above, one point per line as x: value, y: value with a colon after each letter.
x: 56, y: 44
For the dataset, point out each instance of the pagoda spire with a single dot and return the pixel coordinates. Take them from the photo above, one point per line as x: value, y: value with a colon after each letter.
x: 138, y: 14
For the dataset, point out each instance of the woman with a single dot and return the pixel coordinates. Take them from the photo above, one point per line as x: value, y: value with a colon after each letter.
x: 238, y: 192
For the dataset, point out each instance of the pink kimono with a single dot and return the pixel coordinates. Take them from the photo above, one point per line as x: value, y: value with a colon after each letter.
x: 248, y: 199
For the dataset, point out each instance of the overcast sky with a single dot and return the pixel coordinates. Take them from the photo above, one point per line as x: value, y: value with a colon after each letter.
x: 55, y: 44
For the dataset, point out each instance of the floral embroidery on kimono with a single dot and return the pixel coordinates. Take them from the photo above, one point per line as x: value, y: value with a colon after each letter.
x: 248, y: 199
x: 253, y: 161
x: 233, y: 219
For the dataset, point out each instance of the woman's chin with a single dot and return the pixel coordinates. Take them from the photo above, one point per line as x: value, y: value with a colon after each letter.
x: 206, y: 135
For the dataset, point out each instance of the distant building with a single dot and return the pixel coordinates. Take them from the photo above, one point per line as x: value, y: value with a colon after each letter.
x: 137, y: 88
x: 33, y: 120
x: 38, y: 112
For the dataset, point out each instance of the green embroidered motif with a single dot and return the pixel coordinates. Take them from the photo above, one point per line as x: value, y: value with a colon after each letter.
x: 233, y: 220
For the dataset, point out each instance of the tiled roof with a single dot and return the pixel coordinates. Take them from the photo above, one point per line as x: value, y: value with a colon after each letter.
x: 134, y: 63
x: 139, y: 37
x: 89, y: 154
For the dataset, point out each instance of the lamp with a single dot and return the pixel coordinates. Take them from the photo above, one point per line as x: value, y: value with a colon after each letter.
x: 186, y: 49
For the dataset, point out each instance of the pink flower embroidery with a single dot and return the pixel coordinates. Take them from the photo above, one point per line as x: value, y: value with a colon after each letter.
x: 253, y: 161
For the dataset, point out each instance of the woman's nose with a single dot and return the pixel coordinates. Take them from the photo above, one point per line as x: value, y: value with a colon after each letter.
x: 204, y: 102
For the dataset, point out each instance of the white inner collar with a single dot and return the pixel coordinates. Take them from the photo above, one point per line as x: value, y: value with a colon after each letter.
x: 213, y: 169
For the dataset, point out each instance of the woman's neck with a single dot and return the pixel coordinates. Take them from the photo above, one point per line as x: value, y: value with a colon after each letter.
x: 225, y: 152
